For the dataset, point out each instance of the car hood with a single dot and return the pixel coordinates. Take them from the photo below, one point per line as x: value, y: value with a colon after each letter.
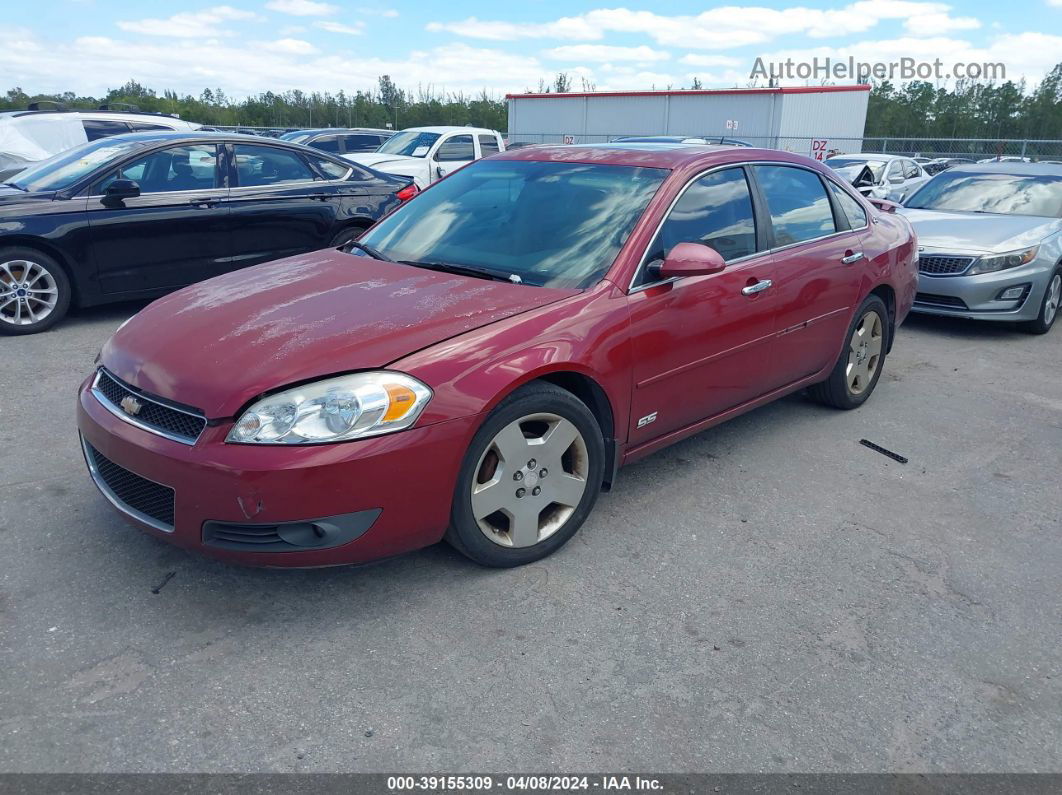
x: 220, y: 343
x: 977, y: 232
x: 13, y: 200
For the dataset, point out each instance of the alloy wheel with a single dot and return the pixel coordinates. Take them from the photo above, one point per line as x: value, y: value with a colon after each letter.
x: 530, y: 480
x: 864, y: 353
x: 28, y: 292
x: 1053, y: 299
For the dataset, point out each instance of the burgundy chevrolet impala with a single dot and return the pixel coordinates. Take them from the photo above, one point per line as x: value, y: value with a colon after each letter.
x: 480, y: 363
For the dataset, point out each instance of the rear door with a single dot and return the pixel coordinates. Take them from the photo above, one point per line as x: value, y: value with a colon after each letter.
x: 174, y: 233
x: 279, y: 205
x: 816, y: 259
x: 702, y: 344
x: 488, y: 145
x: 453, y: 152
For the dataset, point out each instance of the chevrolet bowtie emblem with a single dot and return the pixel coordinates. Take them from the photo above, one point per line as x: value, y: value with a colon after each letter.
x: 131, y: 406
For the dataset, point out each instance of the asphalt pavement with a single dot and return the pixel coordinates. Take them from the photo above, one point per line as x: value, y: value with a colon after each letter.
x: 769, y: 595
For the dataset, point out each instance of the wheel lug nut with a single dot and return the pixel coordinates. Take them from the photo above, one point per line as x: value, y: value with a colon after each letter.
x: 543, y: 473
x: 521, y: 492
x: 531, y: 464
x: 536, y: 491
x: 518, y: 475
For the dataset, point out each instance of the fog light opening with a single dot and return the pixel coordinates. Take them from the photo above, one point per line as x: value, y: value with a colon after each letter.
x: 1015, y: 293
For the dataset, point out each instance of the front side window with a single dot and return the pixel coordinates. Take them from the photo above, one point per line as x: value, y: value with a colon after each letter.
x: 488, y: 145
x: 715, y: 211
x: 991, y: 192
x: 910, y: 169
x: 797, y: 201
x: 360, y: 143
x: 260, y: 166
x: 456, y: 147
x: 852, y: 210
x: 895, y: 171
x: 877, y: 167
x: 410, y: 143
x: 103, y: 128
x: 175, y: 169
x: 550, y: 224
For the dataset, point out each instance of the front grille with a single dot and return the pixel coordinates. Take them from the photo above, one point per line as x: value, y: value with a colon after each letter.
x: 943, y: 265
x: 947, y: 301
x: 184, y: 426
x: 130, y: 492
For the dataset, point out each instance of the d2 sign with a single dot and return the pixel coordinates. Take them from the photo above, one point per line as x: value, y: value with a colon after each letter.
x: 819, y: 148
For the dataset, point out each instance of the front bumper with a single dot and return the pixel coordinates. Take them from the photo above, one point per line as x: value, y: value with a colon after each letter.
x: 977, y: 297
x: 401, y: 484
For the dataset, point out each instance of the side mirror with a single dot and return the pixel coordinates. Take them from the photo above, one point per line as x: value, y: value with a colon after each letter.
x: 690, y: 259
x: 439, y: 172
x: 121, y: 189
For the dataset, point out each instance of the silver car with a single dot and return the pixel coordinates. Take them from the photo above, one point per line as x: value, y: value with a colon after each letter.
x: 990, y: 243
x: 890, y: 177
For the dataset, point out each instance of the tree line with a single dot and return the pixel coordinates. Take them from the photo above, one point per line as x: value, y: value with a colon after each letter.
x: 968, y: 109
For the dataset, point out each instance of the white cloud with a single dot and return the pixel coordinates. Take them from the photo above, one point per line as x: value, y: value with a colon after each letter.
x: 724, y: 27
x: 189, y: 24
x: 290, y: 46
x: 565, y: 28
x: 390, y: 13
x: 604, y: 52
x: 338, y: 27
x: 710, y: 60
x: 937, y: 24
x: 302, y: 8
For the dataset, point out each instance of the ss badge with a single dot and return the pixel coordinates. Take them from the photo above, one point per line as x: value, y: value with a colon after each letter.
x: 647, y: 419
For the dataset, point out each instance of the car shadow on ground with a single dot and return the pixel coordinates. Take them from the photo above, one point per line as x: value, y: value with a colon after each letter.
x: 961, y: 327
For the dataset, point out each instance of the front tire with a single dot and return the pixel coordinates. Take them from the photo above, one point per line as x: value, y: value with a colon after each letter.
x: 346, y: 235
x: 1049, y: 306
x: 859, y: 366
x: 531, y: 476
x: 35, y: 291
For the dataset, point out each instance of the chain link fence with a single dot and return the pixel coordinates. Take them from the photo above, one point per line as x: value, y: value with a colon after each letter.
x: 1035, y: 150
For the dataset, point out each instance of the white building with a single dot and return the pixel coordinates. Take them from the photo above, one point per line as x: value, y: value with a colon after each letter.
x: 796, y: 118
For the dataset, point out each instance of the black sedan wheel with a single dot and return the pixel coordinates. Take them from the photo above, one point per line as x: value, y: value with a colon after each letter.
x: 34, y: 291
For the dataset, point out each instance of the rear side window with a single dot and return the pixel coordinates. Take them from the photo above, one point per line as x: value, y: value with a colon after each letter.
x: 103, y: 128
x: 458, y: 147
x: 265, y: 165
x: 330, y: 168
x: 488, y: 145
x: 797, y: 202
x: 140, y: 126
x: 327, y: 144
x: 361, y: 143
x: 850, y: 208
x: 715, y: 211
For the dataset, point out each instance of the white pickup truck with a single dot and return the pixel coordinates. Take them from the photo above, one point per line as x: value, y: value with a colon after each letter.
x: 430, y: 153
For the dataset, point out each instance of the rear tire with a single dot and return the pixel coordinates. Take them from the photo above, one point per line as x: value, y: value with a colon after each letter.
x: 35, y: 291
x: 859, y: 366
x: 1048, y: 307
x: 531, y: 476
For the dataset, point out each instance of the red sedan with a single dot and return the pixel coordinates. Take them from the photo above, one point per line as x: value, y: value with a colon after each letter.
x: 480, y: 363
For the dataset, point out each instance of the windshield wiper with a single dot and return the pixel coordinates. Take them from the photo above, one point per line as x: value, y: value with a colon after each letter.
x: 372, y: 252
x: 464, y: 270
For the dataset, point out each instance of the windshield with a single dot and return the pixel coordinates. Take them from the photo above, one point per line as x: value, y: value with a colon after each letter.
x: 876, y: 166
x: 64, y: 169
x: 551, y: 224
x: 409, y: 142
x: 1004, y: 194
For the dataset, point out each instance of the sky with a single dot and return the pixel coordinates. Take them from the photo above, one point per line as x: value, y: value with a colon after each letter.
x: 249, y: 46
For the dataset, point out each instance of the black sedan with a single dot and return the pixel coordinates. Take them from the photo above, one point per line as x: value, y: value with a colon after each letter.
x: 134, y: 216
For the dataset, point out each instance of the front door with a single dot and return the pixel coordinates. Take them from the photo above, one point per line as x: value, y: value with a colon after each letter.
x: 702, y: 344
x: 279, y: 206
x: 453, y: 152
x: 174, y: 233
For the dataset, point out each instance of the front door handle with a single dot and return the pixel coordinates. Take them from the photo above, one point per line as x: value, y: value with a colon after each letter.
x: 758, y: 287
x: 204, y: 204
x: 848, y: 259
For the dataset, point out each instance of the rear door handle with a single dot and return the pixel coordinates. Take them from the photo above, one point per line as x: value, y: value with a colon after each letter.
x: 850, y: 258
x: 204, y: 204
x: 758, y: 287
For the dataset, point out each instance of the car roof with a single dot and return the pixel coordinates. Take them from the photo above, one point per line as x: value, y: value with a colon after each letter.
x: 1009, y: 167
x: 868, y: 156
x: 165, y: 136
x: 446, y: 129
x: 648, y: 155
x: 111, y: 115
x: 340, y: 131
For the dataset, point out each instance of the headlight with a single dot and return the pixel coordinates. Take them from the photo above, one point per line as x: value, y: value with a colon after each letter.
x: 334, y: 410
x: 999, y: 262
